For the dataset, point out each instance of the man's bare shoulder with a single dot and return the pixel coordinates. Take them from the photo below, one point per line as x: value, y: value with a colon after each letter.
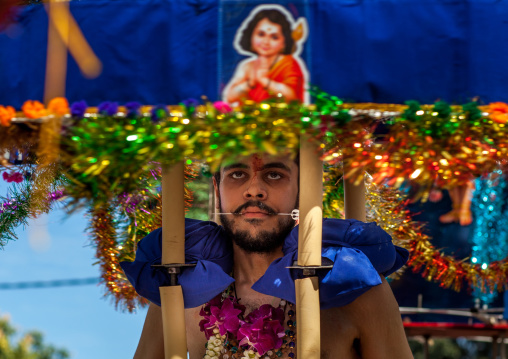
x: 374, y: 321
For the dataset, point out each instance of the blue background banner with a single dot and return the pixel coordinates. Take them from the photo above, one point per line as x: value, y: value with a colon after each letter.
x: 164, y: 51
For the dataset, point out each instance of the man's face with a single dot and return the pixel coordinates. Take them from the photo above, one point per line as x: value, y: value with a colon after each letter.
x: 256, y: 189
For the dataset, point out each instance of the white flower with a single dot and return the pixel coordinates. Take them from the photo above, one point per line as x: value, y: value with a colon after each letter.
x: 216, y: 331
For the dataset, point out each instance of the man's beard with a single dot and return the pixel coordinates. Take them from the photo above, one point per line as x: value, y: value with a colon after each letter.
x: 264, y: 241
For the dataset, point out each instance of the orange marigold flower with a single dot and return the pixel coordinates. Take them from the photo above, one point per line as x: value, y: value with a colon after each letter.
x: 498, y: 107
x: 499, y: 112
x: 6, y: 115
x: 33, y: 109
x: 58, y: 106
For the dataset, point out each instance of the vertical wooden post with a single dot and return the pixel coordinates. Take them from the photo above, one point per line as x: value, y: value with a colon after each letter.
x: 309, y: 250
x: 354, y: 199
x: 56, y: 58
x: 173, y: 251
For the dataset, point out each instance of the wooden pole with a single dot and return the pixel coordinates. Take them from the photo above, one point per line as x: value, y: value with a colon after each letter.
x: 309, y: 250
x: 354, y: 199
x: 56, y: 58
x: 173, y: 252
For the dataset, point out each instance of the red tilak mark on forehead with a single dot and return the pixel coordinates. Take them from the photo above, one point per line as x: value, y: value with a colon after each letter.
x: 257, y: 163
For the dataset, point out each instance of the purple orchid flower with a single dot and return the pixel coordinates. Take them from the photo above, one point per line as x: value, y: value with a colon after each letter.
x: 78, y: 109
x: 266, y: 331
x: 108, y: 108
x: 223, y: 317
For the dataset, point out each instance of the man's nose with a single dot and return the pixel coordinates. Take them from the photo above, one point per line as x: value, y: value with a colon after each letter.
x: 255, y: 189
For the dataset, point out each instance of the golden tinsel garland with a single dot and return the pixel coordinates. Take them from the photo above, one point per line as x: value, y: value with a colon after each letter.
x: 104, y: 236
x: 135, y: 216
x: 387, y: 207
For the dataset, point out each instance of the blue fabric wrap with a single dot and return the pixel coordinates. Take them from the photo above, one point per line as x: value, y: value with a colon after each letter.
x: 360, y: 252
x: 205, y: 245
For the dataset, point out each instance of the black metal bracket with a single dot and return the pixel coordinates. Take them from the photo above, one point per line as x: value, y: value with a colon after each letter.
x: 173, y: 269
x: 310, y: 271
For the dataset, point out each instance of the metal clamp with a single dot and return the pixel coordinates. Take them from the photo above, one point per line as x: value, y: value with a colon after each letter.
x: 173, y: 269
x: 309, y: 271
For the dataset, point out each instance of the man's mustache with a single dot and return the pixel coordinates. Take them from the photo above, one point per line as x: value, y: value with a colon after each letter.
x: 269, y: 210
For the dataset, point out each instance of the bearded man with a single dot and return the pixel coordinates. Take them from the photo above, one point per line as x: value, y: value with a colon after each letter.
x: 359, y: 317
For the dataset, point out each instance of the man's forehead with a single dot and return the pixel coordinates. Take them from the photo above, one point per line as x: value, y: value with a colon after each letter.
x: 260, y: 162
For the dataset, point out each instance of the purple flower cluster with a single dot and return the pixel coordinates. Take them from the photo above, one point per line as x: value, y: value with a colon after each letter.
x: 78, y: 109
x: 262, y: 329
x: 108, y: 108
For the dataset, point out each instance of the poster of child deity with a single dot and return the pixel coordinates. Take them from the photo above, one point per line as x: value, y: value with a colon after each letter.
x: 272, y: 39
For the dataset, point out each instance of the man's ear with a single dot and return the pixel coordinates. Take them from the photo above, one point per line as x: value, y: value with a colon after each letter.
x: 216, y: 190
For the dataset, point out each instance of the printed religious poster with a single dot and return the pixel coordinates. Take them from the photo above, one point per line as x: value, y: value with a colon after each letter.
x: 262, y: 52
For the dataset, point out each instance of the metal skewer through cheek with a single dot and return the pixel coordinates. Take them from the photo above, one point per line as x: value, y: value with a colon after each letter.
x: 295, y: 214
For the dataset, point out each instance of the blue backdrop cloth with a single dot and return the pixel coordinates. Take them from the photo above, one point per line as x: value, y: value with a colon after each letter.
x: 164, y: 51
x: 359, y: 252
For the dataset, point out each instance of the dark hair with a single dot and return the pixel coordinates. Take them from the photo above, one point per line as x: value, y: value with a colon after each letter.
x: 274, y: 16
x: 216, y: 175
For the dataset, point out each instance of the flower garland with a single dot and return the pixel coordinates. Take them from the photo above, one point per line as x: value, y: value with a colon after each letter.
x: 434, y: 145
x: 260, y: 334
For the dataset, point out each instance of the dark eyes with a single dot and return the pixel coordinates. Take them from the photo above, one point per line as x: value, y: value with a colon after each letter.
x: 273, y: 37
x: 237, y: 175
x: 273, y: 175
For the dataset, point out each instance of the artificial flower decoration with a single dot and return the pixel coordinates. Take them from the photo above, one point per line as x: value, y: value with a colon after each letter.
x: 499, y: 112
x: 108, y: 108
x: 58, y: 106
x: 33, y: 109
x: 78, y: 109
x: 6, y: 115
x: 222, y: 107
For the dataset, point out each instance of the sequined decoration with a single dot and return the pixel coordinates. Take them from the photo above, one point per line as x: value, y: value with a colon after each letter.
x: 490, y: 236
